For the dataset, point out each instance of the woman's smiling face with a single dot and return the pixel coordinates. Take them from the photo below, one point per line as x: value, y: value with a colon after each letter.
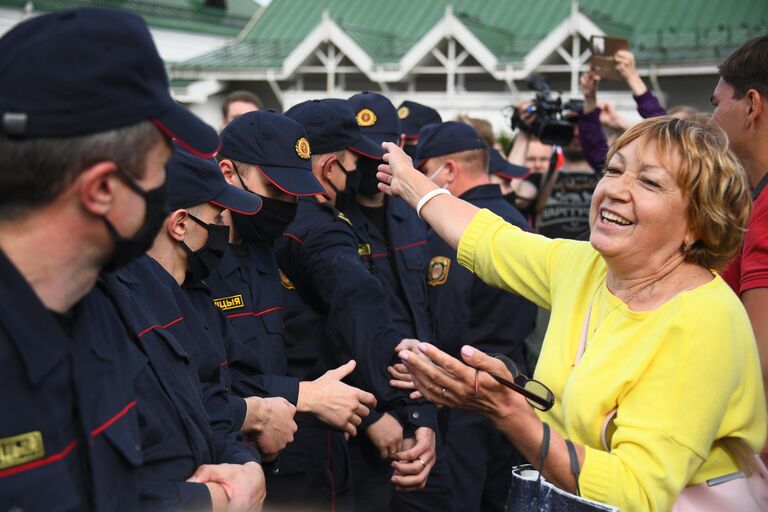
x: 638, y: 213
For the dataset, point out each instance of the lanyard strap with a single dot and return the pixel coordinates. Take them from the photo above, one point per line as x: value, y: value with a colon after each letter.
x: 760, y: 186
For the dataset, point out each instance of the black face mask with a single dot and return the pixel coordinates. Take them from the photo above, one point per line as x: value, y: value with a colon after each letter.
x: 202, y: 262
x: 367, y: 169
x: 156, y: 210
x: 511, y: 198
x: 268, y: 224
x: 410, y: 150
x: 350, y: 188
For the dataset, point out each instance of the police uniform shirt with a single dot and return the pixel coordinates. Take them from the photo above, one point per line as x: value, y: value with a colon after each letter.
x: 465, y: 309
x: 69, y: 429
x: 319, y: 255
x: 246, y: 288
x: 397, y: 256
x: 186, y: 422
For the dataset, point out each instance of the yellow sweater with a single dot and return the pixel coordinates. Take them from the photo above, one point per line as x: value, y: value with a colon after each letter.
x: 682, y: 376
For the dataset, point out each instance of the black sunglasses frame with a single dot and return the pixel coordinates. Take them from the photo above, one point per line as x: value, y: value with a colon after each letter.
x: 543, y: 404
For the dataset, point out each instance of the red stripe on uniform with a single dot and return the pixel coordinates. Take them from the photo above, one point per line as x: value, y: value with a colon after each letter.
x: 152, y: 328
x: 248, y: 313
x: 288, y: 235
x: 276, y: 308
x: 113, y: 419
x: 40, y: 462
x: 410, y: 246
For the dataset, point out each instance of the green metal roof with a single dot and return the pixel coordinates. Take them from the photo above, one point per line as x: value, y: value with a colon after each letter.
x: 184, y: 15
x: 659, y: 31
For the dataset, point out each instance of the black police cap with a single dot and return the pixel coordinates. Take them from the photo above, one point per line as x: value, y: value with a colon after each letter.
x: 90, y: 70
x: 192, y: 181
x: 500, y: 166
x: 414, y: 116
x: 445, y: 139
x: 277, y: 146
x: 376, y: 116
x: 331, y: 126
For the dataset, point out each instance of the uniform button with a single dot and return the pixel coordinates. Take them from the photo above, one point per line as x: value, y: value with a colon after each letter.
x: 416, y: 415
x: 276, y: 470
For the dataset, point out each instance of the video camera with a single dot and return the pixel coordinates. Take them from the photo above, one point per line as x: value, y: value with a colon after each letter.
x: 553, y: 124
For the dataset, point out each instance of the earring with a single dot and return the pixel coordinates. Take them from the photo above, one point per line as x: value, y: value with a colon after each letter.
x: 686, y: 247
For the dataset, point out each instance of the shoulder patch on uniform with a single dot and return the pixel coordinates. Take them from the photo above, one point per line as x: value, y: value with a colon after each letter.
x: 344, y: 218
x: 366, y: 117
x: 227, y: 303
x: 437, y: 272
x: 22, y: 448
x: 403, y: 112
x: 287, y: 284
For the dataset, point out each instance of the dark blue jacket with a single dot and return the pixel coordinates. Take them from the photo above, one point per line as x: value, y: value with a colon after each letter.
x: 338, y: 311
x: 69, y: 431
x: 246, y: 287
x: 464, y: 308
x: 399, y: 260
x: 181, y: 390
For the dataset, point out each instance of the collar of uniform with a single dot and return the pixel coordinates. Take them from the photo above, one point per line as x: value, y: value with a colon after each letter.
x: 229, y: 262
x: 37, y: 336
x: 489, y: 191
x: 257, y: 253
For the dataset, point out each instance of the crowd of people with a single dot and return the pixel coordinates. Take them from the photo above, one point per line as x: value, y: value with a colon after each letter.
x: 339, y: 307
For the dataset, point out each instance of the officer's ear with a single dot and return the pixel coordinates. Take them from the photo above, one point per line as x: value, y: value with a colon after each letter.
x: 177, y: 224
x: 95, y: 186
x: 228, y: 170
x: 451, y: 170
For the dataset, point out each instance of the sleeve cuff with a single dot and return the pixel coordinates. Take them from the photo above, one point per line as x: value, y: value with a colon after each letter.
x: 284, y: 386
x: 373, y: 417
x: 597, y: 474
x: 238, y: 409
x: 194, y: 496
x: 592, y: 117
x: 471, y: 237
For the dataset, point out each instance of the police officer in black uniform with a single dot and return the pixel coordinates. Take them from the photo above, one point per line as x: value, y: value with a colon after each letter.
x: 468, y: 311
x: 343, y: 311
x: 189, y: 422
x: 268, y: 155
x: 83, y: 101
x: 392, y: 241
x: 413, y: 117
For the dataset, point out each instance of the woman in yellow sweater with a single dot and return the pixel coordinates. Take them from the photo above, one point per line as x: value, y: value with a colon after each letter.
x: 665, y: 342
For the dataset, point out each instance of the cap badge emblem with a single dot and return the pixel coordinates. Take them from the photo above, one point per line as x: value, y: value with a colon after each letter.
x: 366, y: 117
x: 403, y: 112
x: 302, y: 148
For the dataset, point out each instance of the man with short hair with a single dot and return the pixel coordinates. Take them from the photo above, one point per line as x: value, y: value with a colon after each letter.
x: 392, y: 242
x: 741, y: 109
x: 468, y: 311
x: 335, y: 304
x: 413, y: 117
x: 182, y: 383
x: 268, y: 155
x: 81, y: 189
x: 238, y: 103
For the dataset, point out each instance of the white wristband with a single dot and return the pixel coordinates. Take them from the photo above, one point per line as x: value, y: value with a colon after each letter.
x: 429, y: 195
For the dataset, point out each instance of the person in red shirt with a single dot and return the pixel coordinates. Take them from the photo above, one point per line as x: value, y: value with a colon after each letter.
x: 741, y: 109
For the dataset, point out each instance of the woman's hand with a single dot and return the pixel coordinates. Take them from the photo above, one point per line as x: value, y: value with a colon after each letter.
x: 397, y: 176
x: 589, y: 84
x: 447, y: 381
x: 625, y: 65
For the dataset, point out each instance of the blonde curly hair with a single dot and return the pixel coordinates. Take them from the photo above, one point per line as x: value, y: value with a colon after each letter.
x: 711, y: 178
